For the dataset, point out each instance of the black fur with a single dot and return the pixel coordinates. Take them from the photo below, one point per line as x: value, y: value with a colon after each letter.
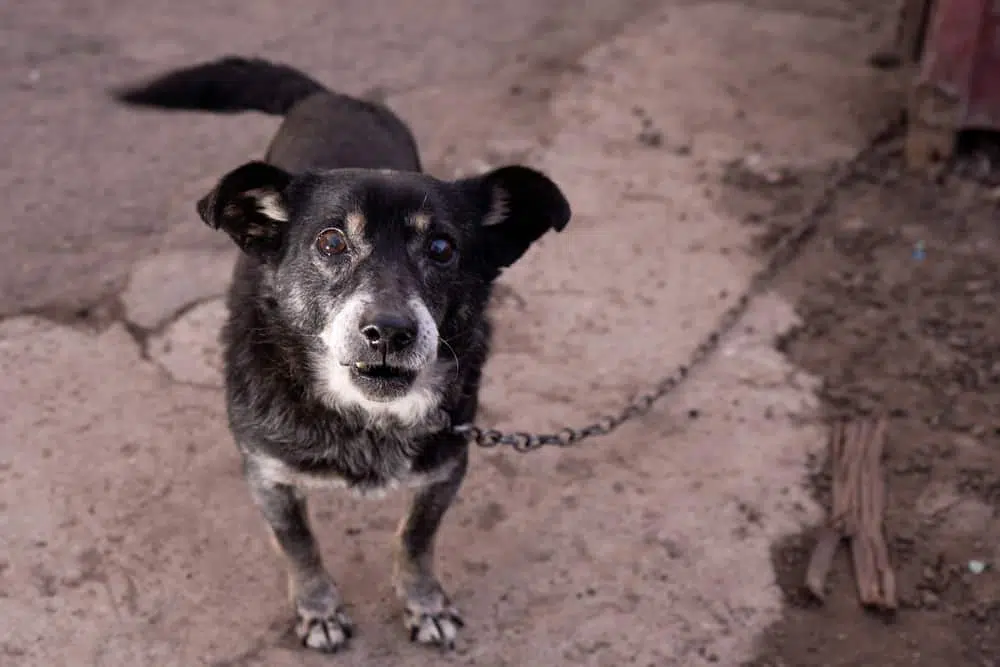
x: 323, y: 177
x: 229, y: 85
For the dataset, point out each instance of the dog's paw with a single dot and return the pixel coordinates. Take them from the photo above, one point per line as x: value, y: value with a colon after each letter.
x: 324, y: 632
x: 435, y: 625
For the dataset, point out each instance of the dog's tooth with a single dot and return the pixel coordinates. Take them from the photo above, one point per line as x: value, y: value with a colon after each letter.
x: 361, y: 366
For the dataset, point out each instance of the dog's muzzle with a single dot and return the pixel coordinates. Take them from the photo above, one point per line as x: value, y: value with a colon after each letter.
x: 387, y: 359
x: 379, y: 349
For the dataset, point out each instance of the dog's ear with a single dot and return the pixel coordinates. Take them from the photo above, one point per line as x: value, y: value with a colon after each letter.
x: 518, y: 205
x: 249, y: 205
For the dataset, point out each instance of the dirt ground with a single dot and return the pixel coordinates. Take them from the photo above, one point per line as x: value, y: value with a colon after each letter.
x: 898, y: 294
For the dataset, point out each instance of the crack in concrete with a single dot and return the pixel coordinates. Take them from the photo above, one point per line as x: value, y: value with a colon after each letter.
x: 105, y: 313
x: 93, y: 318
x: 143, y: 335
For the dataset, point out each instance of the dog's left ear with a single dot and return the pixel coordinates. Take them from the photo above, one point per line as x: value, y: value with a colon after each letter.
x: 249, y: 205
x: 518, y: 205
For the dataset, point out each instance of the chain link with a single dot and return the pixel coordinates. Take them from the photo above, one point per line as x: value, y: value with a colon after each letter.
x: 786, y: 249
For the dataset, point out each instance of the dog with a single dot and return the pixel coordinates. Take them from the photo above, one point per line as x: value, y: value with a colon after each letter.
x: 357, y: 327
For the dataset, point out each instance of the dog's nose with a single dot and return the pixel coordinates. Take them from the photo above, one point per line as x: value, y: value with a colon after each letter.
x: 391, y: 332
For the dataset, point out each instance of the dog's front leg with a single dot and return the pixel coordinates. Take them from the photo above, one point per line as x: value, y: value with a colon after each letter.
x: 428, y: 614
x: 322, y: 623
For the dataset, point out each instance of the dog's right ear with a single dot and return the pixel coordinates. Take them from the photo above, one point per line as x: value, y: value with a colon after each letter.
x: 249, y: 205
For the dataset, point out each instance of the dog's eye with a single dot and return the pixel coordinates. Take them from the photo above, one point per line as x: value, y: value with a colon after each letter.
x: 330, y: 242
x: 441, y: 249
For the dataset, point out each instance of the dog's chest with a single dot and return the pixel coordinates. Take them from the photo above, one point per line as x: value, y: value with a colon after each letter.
x: 361, y: 466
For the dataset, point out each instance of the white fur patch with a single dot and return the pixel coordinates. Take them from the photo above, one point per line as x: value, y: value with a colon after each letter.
x: 269, y: 204
x: 419, y: 221
x: 338, y: 389
x: 499, y: 207
x: 355, y: 224
x: 275, y: 471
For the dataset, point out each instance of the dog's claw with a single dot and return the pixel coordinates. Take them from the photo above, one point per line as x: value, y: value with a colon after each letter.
x: 439, y: 628
x: 327, y: 634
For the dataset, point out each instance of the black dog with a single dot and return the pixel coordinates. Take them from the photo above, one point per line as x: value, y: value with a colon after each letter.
x: 357, y: 316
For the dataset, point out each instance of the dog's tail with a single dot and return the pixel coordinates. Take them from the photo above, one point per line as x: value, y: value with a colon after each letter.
x: 229, y: 85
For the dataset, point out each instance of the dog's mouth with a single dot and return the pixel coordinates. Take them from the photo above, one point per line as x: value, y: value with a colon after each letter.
x: 382, y: 382
x: 383, y: 372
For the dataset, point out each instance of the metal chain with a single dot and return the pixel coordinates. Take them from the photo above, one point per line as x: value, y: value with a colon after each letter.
x: 786, y: 249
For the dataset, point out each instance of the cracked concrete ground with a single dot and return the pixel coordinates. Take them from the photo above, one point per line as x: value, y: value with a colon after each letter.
x: 129, y: 538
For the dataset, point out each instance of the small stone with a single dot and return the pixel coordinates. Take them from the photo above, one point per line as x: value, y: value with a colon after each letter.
x: 753, y: 162
x: 974, y: 286
x: 650, y: 137
x: 854, y: 224
x: 774, y: 177
x: 928, y: 599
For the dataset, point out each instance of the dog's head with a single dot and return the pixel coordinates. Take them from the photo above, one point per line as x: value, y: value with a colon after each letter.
x: 373, y: 268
